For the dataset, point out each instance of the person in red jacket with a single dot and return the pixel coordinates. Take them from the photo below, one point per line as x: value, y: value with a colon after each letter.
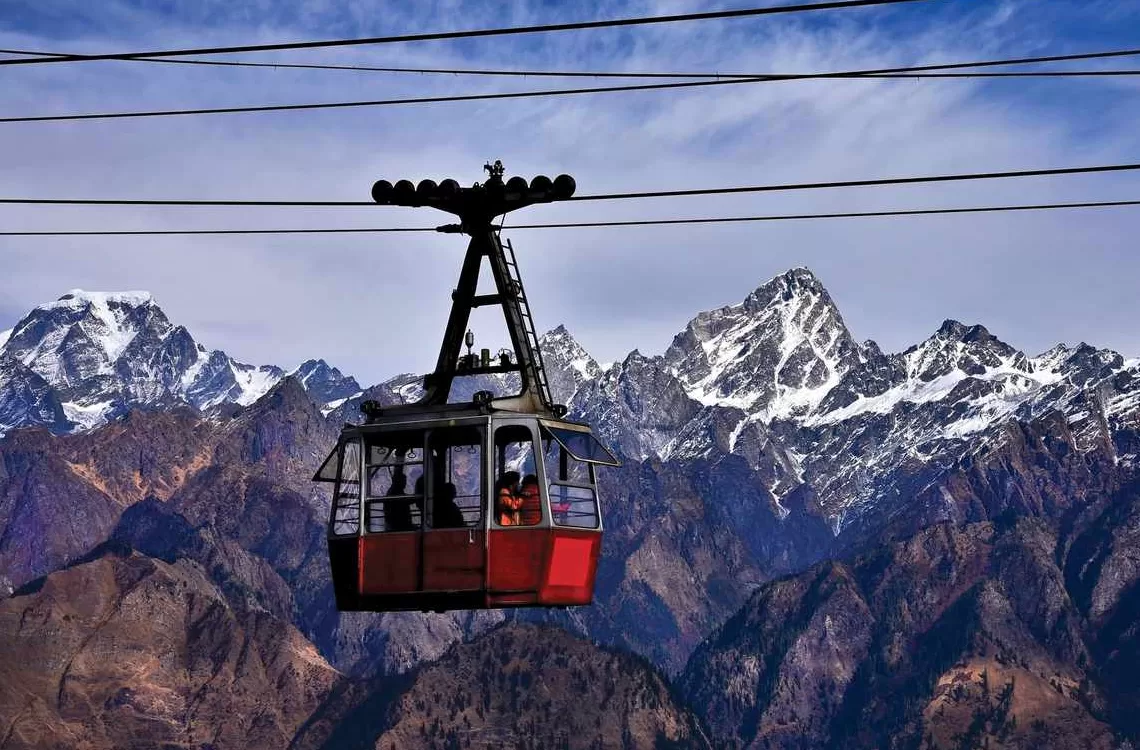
x: 507, y: 500
x: 531, y: 496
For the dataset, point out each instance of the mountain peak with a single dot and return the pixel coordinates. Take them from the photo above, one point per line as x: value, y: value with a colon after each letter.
x: 83, y: 334
x: 324, y: 382
x: 568, y: 364
x: 975, y: 334
x: 959, y: 347
x: 793, y: 283
x: 129, y: 299
x: 775, y: 354
x: 98, y: 354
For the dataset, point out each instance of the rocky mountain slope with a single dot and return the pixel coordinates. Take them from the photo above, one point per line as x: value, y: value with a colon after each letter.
x: 1013, y: 625
x: 517, y: 686
x: 976, y: 636
x: 123, y: 650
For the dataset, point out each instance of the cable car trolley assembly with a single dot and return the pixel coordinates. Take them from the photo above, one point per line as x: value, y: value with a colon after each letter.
x: 485, y: 503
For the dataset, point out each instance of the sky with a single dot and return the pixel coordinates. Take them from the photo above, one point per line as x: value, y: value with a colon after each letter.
x: 375, y: 305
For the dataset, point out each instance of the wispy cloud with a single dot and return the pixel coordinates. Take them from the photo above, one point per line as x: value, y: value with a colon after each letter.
x: 375, y: 306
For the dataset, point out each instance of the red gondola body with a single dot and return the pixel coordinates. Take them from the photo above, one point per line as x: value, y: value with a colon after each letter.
x: 482, y: 564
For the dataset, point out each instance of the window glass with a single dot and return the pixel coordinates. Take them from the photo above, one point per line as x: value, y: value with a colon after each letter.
x: 395, y: 473
x: 573, y: 506
x: 573, y: 500
x: 346, y: 498
x: 562, y: 467
x: 327, y: 472
x: 582, y: 446
x: 516, y: 501
x: 456, y: 486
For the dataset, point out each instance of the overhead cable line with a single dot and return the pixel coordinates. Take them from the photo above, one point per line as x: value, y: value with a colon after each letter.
x: 453, y: 228
x: 381, y: 102
x: 868, y: 73
x: 860, y: 183
x: 774, y: 188
x: 915, y: 71
x: 442, y: 35
x: 841, y: 215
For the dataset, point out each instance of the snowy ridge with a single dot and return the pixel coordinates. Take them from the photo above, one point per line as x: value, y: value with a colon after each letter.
x: 779, y: 381
x: 1010, y: 386
x: 253, y: 382
x: 86, y: 358
x: 775, y: 383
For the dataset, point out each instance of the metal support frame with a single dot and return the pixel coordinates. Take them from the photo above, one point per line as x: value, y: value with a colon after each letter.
x: 485, y: 243
x: 477, y: 208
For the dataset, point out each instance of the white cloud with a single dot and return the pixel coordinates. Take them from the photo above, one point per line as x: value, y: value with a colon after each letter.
x: 375, y: 305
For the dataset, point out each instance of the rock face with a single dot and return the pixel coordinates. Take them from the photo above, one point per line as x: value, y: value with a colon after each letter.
x: 568, y: 365
x: 1005, y: 634
x: 324, y: 383
x: 519, y: 685
x: 125, y: 651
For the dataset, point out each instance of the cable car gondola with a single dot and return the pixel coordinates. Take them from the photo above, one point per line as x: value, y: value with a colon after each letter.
x: 426, y: 513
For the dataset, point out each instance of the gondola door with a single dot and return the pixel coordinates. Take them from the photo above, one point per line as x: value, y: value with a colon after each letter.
x: 454, y: 536
x: 517, y: 548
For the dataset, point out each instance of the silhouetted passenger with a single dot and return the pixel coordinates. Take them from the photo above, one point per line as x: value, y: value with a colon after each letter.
x: 398, y: 513
x: 447, y: 514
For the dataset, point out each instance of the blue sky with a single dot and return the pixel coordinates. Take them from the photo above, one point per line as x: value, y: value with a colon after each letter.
x: 376, y: 305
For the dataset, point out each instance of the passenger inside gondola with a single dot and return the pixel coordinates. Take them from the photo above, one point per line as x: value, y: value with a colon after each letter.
x: 507, y: 501
x: 445, y: 513
x: 530, y: 501
x: 455, y: 463
x: 398, y: 513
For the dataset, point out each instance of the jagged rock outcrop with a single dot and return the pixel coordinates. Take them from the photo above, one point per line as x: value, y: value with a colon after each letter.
x: 637, y: 405
x: 568, y: 364
x: 324, y: 383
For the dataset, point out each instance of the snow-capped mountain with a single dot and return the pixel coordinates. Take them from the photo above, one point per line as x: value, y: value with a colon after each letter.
x: 87, y: 357
x: 324, y: 383
x: 776, y: 354
x: 777, y: 380
x: 783, y: 383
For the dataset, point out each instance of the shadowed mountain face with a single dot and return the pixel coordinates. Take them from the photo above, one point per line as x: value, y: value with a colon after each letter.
x: 764, y: 441
x: 519, y: 685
